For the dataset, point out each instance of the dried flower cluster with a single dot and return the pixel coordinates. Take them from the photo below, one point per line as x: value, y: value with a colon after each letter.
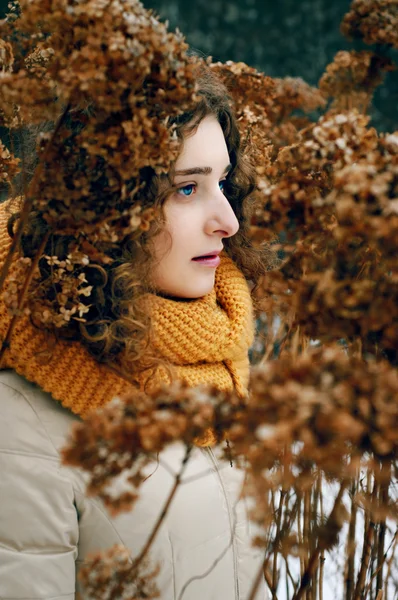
x: 80, y: 63
x: 68, y: 276
x: 9, y: 166
x: 266, y: 107
x: 110, y: 575
x: 352, y: 78
x: 293, y: 99
x: 376, y: 21
x: 127, y: 435
x: 302, y: 173
x: 323, y: 405
x: 332, y: 404
x: 334, y: 196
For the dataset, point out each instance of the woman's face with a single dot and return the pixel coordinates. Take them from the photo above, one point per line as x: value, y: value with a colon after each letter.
x: 198, y: 216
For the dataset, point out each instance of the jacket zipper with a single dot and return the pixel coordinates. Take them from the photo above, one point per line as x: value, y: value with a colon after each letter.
x: 231, y: 523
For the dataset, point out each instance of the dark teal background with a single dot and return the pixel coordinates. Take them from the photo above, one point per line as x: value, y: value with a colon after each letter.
x: 295, y: 38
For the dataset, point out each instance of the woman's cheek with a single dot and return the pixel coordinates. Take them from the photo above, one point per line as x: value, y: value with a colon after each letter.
x: 181, y: 217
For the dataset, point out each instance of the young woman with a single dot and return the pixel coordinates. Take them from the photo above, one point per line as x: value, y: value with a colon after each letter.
x: 199, y: 317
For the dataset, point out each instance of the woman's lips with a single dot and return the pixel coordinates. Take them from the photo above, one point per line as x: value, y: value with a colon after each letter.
x: 212, y: 260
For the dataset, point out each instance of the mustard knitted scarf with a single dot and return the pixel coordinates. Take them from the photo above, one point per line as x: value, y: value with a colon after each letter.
x: 206, y: 341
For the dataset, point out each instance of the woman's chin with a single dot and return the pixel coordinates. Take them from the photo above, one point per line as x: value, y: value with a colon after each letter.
x: 191, y: 290
x: 199, y: 286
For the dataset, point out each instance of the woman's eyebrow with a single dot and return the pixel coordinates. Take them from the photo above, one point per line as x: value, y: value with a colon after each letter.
x: 200, y: 171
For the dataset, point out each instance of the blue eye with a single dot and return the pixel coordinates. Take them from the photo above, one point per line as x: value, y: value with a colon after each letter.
x: 186, y: 190
x: 222, y: 184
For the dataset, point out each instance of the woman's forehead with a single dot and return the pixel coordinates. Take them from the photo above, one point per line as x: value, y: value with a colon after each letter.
x: 204, y: 147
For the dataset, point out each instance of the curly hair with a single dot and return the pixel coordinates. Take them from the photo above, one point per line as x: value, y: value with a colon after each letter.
x: 116, y: 330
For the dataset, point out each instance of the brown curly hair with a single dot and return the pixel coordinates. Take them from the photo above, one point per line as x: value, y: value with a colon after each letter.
x: 116, y: 331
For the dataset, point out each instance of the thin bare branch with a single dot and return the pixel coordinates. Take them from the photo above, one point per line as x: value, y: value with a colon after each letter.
x: 163, y: 513
x: 366, y: 551
x: 313, y: 561
x: 351, y: 545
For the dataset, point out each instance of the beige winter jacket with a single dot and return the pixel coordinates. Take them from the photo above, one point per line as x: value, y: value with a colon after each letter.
x: 48, y: 526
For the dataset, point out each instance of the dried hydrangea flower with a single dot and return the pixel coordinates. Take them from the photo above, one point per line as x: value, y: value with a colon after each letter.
x: 375, y: 21
x: 352, y: 78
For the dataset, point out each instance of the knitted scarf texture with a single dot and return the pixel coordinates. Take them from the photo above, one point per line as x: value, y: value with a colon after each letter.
x: 205, y: 341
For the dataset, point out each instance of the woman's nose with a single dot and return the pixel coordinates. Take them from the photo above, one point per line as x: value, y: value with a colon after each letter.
x: 223, y: 219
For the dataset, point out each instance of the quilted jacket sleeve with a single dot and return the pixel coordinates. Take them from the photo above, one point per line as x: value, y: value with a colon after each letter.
x: 38, y: 521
